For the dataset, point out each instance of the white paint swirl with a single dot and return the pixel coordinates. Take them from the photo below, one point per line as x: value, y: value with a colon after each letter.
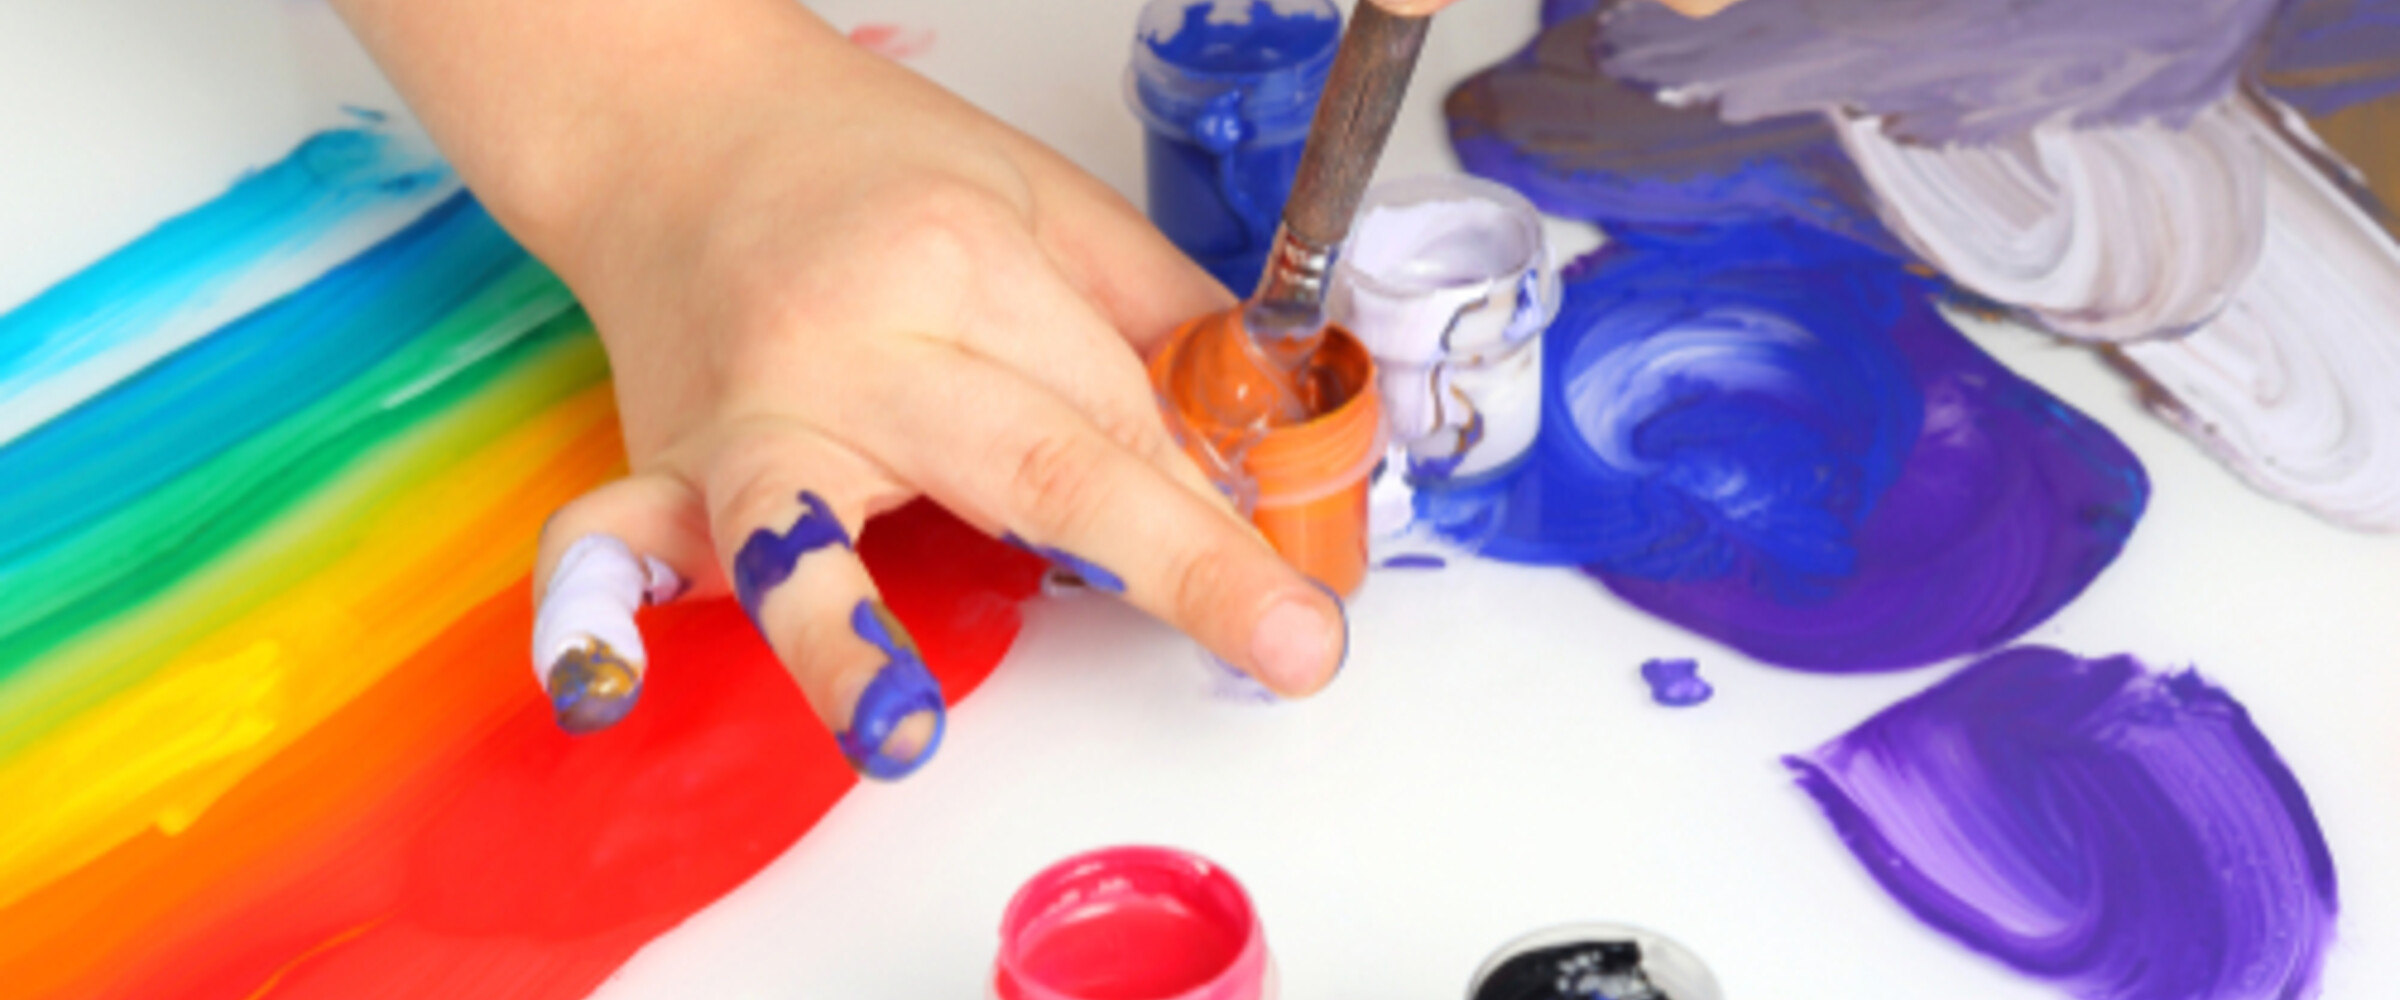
x: 2296, y: 386
x: 2101, y: 233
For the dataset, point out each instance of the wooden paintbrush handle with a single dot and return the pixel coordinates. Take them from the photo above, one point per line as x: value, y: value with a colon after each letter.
x: 1362, y: 98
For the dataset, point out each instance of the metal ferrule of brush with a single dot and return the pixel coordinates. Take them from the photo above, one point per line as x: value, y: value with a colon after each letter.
x: 1290, y: 301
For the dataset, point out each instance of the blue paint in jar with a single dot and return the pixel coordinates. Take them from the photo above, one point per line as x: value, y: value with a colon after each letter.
x: 1225, y: 90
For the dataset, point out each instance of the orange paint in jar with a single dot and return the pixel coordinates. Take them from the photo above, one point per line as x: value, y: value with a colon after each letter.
x: 1293, y: 439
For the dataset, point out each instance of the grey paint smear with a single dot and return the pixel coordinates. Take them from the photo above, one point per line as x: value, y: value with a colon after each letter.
x: 1942, y: 71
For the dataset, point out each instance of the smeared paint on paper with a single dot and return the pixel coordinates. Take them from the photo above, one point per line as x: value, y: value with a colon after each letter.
x: 2102, y: 172
x: 2125, y: 833
x: 264, y: 714
x: 1769, y: 436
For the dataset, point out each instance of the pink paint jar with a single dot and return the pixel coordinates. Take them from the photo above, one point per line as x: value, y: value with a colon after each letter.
x: 1133, y: 923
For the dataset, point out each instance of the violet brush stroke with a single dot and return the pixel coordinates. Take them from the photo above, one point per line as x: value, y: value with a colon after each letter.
x: 1944, y: 70
x: 1770, y: 437
x: 1579, y: 144
x: 2125, y: 834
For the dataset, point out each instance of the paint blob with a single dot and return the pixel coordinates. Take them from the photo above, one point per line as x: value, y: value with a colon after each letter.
x: 265, y: 723
x: 2127, y: 834
x: 1769, y: 436
x: 1676, y: 683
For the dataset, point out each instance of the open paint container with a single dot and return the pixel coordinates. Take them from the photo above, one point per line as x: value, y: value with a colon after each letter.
x: 1225, y: 90
x: 1294, y: 450
x: 1448, y: 281
x: 1133, y: 923
x: 1594, y: 962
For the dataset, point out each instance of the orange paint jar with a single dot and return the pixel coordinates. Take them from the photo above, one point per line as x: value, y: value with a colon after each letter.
x: 1295, y: 448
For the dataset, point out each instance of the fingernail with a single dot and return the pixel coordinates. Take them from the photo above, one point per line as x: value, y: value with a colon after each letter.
x: 1295, y: 645
x: 1092, y: 574
x: 592, y: 688
x: 898, y: 721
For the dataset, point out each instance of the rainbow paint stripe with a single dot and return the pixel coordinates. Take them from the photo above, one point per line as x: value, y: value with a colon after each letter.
x: 265, y: 727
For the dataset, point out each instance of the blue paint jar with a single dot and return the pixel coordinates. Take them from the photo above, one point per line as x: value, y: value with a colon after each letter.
x: 1225, y: 90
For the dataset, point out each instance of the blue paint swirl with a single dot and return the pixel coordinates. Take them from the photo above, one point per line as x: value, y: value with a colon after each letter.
x: 1769, y: 436
x: 767, y: 557
x: 2125, y: 834
x: 902, y: 687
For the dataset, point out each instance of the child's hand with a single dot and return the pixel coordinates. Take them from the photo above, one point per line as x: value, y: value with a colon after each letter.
x: 827, y: 286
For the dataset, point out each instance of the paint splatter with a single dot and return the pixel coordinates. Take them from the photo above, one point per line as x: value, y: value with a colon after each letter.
x: 1769, y: 436
x: 266, y: 718
x: 1676, y: 683
x: 893, y: 41
x: 2126, y: 834
x: 2296, y: 386
x: 1414, y: 560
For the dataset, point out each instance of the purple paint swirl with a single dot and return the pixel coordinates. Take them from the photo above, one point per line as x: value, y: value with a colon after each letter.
x: 2125, y: 834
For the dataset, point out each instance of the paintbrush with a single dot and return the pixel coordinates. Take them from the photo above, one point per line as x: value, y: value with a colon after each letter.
x: 1362, y: 98
x: 1265, y: 380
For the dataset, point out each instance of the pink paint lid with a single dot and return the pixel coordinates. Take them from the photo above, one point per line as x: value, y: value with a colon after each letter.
x: 1132, y: 923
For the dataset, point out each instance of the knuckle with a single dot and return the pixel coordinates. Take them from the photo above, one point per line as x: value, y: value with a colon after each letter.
x: 938, y: 223
x: 1197, y: 582
x: 745, y: 486
x: 1056, y: 481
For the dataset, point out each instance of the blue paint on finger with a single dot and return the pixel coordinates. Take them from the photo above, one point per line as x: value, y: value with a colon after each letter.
x: 1092, y: 574
x: 767, y: 559
x: 902, y: 688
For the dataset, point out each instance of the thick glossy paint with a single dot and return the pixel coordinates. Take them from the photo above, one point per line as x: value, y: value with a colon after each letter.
x: 1226, y: 89
x: 768, y: 557
x: 1770, y: 437
x: 902, y: 688
x: 2090, y: 168
x: 265, y: 722
x: 2127, y: 834
x: 1676, y: 683
x: 1581, y: 144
